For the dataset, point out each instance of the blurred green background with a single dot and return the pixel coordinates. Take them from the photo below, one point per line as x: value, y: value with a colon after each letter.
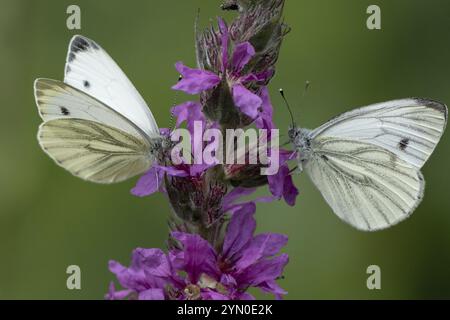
x: 49, y: 219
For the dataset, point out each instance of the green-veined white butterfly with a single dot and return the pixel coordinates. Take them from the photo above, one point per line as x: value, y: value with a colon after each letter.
x: 96, y: 125
x: 366, y: 162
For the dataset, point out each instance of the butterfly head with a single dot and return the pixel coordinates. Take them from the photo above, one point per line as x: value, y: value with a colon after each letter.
x: 293, y: 133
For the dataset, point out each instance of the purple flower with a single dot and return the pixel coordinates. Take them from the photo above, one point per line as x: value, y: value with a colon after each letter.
x: 149, y: 183
x: 281, y: 185
x: 232, y: 71
x: 196, y: 271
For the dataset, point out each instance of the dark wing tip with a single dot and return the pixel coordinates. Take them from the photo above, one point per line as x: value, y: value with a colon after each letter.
x: 434, y: 104
x: 80, y: 44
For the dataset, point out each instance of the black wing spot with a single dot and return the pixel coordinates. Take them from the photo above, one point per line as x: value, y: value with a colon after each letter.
x: 86, y: 84
x: 403, y: 144
x: 64, y: 111
x: 324, y: 157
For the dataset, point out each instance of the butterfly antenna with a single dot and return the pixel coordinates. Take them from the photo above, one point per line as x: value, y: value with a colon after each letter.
x: 288, y: 107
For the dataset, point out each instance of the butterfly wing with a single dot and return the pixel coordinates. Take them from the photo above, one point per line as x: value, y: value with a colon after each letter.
x: 409, y: 128
x: 94, y: 151
x: 366, y: 163
x: 366, y: 186
x: 91, y: 70
x: 86, y: 137
x: 57, y: 100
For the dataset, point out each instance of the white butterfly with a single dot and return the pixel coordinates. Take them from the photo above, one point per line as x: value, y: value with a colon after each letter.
x: 96, y: 125
x: 366, y: 162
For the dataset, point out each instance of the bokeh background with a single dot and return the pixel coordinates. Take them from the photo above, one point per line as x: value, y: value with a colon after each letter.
x: 49, y: 220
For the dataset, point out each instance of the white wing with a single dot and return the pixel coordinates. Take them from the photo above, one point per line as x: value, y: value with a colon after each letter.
x: 366, y: 186
x: 90, y: 69
x: 57, y: 100
x: 87, y: 138
x: 366, y: 163
x: 409, y: 128
x: 94, y: 151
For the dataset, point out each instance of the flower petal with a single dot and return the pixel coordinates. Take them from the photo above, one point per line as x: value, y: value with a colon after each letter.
x: 188, y: 112
x: 117, y: 295
x: 149, y: 183
x: 263, y: 271
x: 265, y: 119
x: 246, y: 101
x: 213, y: 295
x: 242, y: 55
x: 195, y: 81
x: 276, y: 182
x: 173, y: 171
x: 237, y: 193
x: 290, y: 191
x: 228, y: 280
x: 152, y: 294
x: 282, y: 186
x: 244, y: 296
x: 154, y: 262
x: 199, y: 256
x: 229, y: 201
x: 239, y: 232
x: 262, y: 246
x: 273, y: 288
x: 128, y: 278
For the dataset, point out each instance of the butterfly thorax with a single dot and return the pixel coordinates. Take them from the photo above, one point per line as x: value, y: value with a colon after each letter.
x: 161, y: 148
x: 301, y: 140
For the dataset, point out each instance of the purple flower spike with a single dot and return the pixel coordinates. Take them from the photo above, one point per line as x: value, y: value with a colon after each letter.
x: 213, y: 252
